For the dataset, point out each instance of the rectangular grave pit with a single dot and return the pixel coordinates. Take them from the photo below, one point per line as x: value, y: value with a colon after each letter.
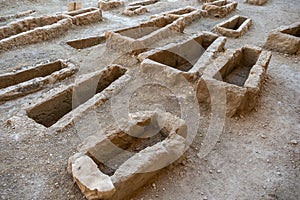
x: 237, y: 69
x: 189, y: 14
x: 112, y: 157
x: 219, y: 8
x: 85, y: 16
x: 235, y: 26
x: 33, y: 78
x: 238, y: 75
x: 188, y: 57
x: 55, y: 107
x: 285, y: 39
x: 33, y: 30
x: 86, y: 42
x: 143, y: 3
x: 145, y: 34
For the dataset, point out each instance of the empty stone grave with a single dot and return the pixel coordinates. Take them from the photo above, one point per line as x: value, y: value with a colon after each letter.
x: 285, y: 39
x: 16, y: 16
x: 135, y: 10
x: 235, y: 26
x: 143, y: 3
x: 118, y: 158
x: 189, y: 14
x: 85, y: 16
x: 61, y: 106
x: 257, y: 2
x: 33, y: 30
x: 190, y: 56
x: 239, y: 74
x: 144, y: 35
x: 29, y: 80
x: 110, y: 4
x: 73, y: 5
x: 219, y: 8
x: 86, y: 42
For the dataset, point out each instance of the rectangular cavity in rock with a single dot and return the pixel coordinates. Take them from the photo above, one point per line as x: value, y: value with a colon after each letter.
x: 112, y: 153
x: 20, y: 76
x: 236, y: 70
x: 184, y: 56
x: 86, y: 42
x: 18, y: 27
x: 50, y: 111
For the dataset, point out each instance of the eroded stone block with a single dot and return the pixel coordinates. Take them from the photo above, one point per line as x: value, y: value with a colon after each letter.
x: 128, y: 159
x: 63, y: 106
x: 219, y: 8
x: 110, y: 4
x: 32, y: 79
x: 135, y: 10
x: 235, y: 26
x: 285, y: 39
x: 239, y: 75
x: 189, y: 57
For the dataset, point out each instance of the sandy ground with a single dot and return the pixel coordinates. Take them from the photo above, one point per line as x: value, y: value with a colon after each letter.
x: 253, y: 158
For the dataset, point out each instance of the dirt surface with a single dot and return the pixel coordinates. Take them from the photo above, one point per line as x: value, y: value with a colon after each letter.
x: 256, y: 157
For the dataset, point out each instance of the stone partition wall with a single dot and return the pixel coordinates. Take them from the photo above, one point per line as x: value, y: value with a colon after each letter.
x: 239, y: 74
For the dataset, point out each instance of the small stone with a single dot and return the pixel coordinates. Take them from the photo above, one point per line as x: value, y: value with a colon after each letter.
x: 164, y: 189
x: 205, y: 198
x: 218, y: 171
x: 263, y: 136
x: 56, y: 185
x: 153, y: 185
x: 264, y: 187
x: 202, y: 193
x: 294, y: 142
x: 210, y: 171
x: 278, y: 173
